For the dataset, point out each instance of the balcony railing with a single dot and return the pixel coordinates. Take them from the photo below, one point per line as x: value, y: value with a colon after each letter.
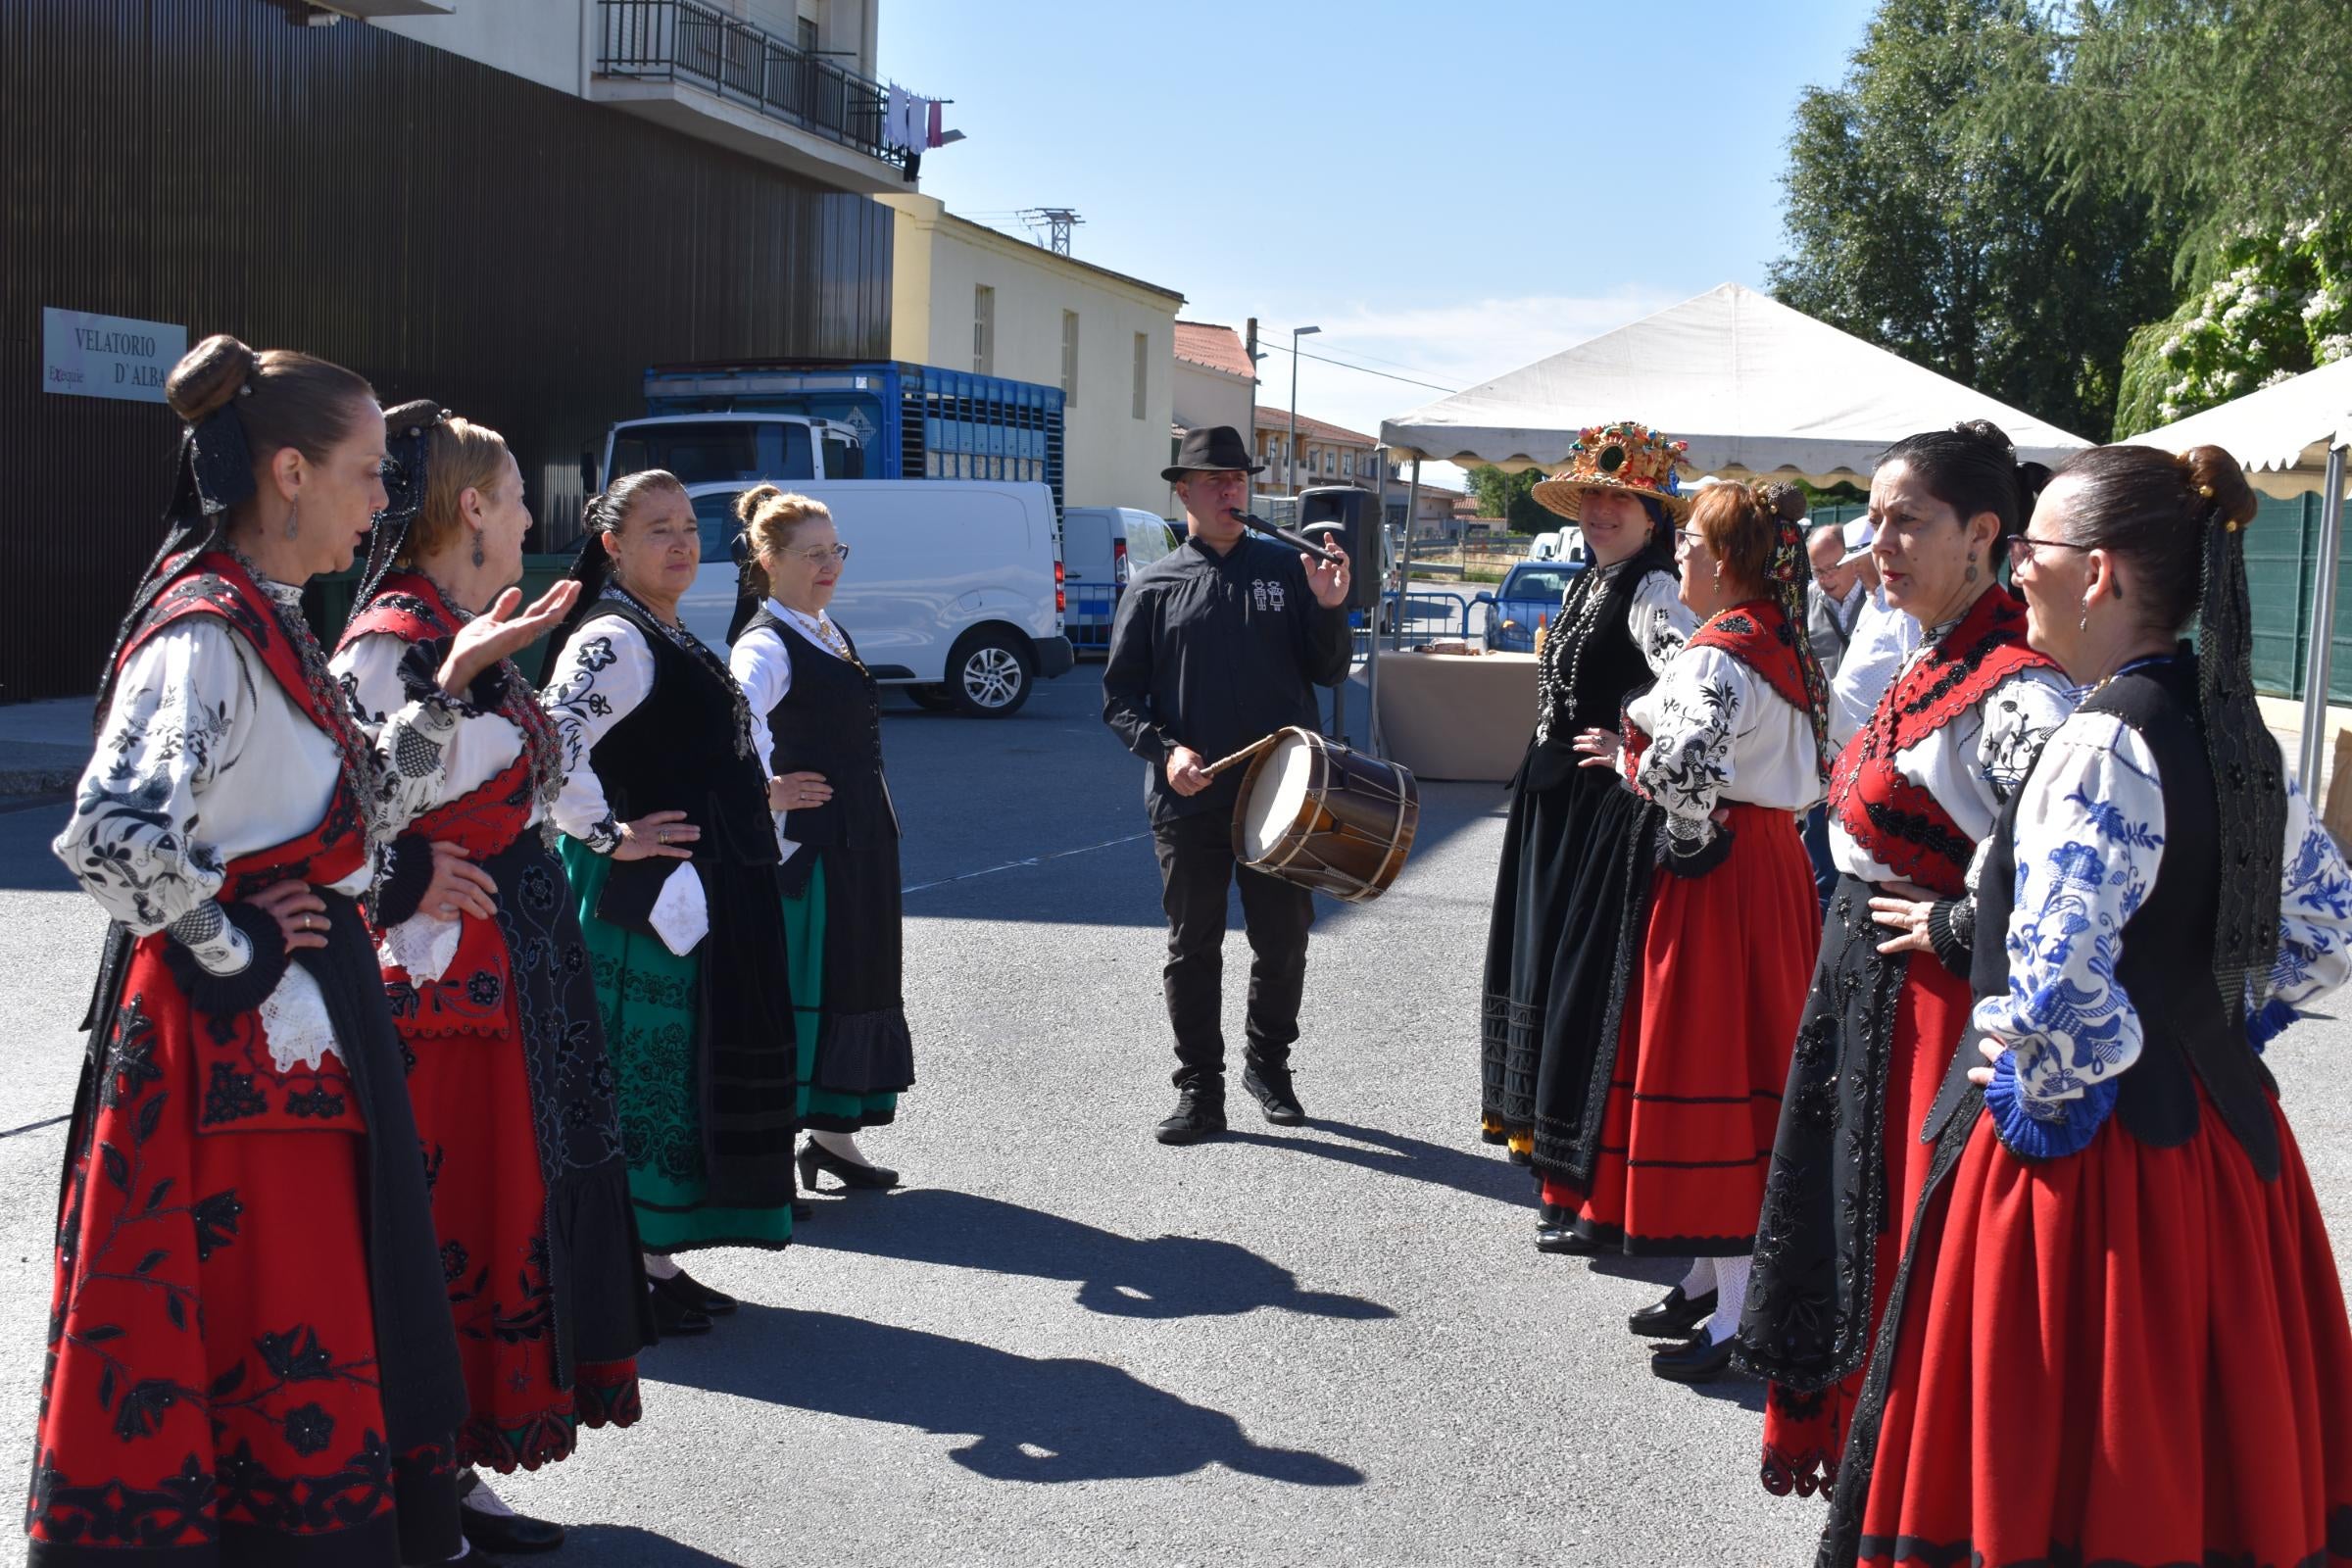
x: 680, y: 40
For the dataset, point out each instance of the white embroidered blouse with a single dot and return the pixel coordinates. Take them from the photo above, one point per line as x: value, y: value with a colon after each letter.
x: 2090, y: 838
x: 203, y: 758
x: 604, y: 672
x: 1719, y: 733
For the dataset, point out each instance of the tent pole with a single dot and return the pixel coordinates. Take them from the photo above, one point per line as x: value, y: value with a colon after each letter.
x: 2322, y: 629
x: 1413, y: 514
x: 1379, y: 602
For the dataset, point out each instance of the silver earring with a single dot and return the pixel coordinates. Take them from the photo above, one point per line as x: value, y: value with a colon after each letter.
x: 1971, y: 575
x: 293, y: 519
x: 477, y: 549
x: 2084, y: 624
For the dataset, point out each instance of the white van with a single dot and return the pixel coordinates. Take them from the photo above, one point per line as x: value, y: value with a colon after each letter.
x: 1101, y: 549
x: 714, y: 448
x: 951, y: 590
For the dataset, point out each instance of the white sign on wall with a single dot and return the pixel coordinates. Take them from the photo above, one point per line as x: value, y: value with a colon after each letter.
x: 91, y: 355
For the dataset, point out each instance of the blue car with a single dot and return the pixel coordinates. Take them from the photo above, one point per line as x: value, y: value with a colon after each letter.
x: 1534, y: 588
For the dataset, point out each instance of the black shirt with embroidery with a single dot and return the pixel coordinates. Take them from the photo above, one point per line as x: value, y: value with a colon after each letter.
x: 1214, y: 651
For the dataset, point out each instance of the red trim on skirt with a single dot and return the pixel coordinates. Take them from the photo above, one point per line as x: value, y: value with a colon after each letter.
x: 1804, y: 1434
x: 473, y: 1115
x: 2131, y: 1355
x: 1702, y: 1051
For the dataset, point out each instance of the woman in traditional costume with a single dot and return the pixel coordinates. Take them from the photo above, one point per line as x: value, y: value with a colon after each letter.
x: 250, y: 1359
x: 672, y: 859
x: 817, y: 728
x: 491, y: 992
x: 1568, y: 895
x: 1910, y: 798
x: 2120, y: 1336
x: 1730, y: 746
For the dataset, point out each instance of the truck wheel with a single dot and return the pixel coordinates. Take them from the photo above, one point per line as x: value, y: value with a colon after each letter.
x: 930, y: 698
x: 988, y: 675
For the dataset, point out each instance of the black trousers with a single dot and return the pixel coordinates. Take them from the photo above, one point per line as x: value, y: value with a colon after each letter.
x: 1817, y: 848
x: 1196, y: 866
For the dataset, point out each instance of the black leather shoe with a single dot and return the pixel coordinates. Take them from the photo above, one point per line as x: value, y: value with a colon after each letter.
x: 847, y: 1172
x: 676, y: 1317
x: 1272, y: 1087
x: 1521, y: 1157
x: 1564, y: 1239
x: 1703, y: 1360
x: 518, y: 1534
x: 687, y: 1291
x: 1199, y: 1113
x: 1674, y: 1316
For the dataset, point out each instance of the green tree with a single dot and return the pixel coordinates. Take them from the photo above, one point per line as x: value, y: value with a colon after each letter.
x: 2275, y: 306
x: 2233, y: 112
x: 1512, y: 498
x: 1921, y: 221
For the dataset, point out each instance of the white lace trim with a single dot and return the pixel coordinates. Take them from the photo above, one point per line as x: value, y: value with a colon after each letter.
x: 422, y: 946
x: 294, y: 1022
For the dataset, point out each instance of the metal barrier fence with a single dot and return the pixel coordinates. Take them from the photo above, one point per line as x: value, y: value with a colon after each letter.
x: 1087, y: 611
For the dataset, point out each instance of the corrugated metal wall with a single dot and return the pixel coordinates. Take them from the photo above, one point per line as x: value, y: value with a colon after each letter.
x: 446, y: 229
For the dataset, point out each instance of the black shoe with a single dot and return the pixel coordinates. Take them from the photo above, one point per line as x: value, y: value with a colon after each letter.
x: 514, y: 1532
x: 676, y: 1317
x: 1199, y: 1113
x: 1522, y: 1156
x: 1565, y: 1240
x: 847, y: 1172
x: 687, y: 1291
x: 1272, y: 1087
x: 1673, y: 1317
x: 1703, y: 1360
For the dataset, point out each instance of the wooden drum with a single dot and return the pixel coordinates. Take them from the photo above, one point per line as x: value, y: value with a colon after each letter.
x: 1314, y: 812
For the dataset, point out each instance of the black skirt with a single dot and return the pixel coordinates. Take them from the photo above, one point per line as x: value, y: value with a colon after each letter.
x: 1570, y: 898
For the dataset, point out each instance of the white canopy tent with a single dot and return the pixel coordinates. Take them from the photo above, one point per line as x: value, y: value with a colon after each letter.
x: 2292, y: 439
x: 1754, y: 386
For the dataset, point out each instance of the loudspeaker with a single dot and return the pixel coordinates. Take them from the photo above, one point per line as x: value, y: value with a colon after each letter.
x: 1357, y: 512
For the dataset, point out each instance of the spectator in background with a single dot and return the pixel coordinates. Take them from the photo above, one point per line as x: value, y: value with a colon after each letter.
x: 1835, y: 597
x: 1883, y: 638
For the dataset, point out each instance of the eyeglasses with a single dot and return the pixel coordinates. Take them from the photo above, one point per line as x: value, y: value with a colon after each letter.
x: 1688, y: 538
x: 2022, y: 547
x: 822, y: 553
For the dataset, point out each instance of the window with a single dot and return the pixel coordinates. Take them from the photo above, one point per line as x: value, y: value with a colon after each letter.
x: 1142, y: 370
x: 807, y: 35
x: 1070, y: 355
x: 984, y: 330
x: 714, y: 520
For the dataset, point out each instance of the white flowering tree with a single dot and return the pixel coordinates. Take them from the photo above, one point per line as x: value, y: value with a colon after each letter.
x: 2277, y: 305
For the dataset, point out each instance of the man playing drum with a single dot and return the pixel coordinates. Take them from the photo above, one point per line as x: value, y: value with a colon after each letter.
x: 1219, y: 643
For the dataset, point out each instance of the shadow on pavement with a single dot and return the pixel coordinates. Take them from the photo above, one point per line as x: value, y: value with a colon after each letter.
x: 1395, y: 1155
x: 639, y: 1549
x: 1122, y: 1276
x: 1029, y: 1419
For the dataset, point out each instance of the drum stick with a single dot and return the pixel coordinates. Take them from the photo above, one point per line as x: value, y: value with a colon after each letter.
x: 1241, y: 756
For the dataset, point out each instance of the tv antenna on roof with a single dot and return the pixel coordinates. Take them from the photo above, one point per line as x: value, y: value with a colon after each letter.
x: 1059, y: 220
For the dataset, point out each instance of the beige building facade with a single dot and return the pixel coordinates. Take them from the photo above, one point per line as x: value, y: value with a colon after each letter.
x: 1215, y: 383
x: 967, y: 298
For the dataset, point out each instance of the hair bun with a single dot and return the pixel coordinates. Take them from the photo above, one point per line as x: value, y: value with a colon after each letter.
x: 1988, y: 432
x: 417, y: 412
x: 2220, y: 481
x: 747, y: 504
x: 208, y: 375
x: 1783, y: 500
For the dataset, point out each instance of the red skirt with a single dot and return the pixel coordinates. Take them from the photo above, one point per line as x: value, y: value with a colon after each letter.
x: 473, y: 1101
x: 211, y: 1381
x: 2131, y: 1355
x: 1702, y: 1051
x: 1804, y: 1434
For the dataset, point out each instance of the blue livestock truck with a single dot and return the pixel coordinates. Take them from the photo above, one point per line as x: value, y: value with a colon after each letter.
x: 840, y: 419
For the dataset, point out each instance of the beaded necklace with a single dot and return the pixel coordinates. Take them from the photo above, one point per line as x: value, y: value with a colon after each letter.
x: 693, y: 649
x: 518, y: 706
x: 1567, y: 643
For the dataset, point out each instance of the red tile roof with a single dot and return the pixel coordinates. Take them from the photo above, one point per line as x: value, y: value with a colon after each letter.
x: 1312, y: 430
x: 1217, y: 347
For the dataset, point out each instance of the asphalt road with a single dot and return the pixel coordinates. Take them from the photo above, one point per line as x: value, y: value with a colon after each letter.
x: 1062, y: 1343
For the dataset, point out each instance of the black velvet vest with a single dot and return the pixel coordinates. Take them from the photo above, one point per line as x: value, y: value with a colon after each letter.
x: 829, y: 721
x: 2191, y: 1034
x: 675, y: 752
x: 1590, y: 665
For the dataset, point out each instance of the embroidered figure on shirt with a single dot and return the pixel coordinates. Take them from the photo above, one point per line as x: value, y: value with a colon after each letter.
x: 1269, y: 595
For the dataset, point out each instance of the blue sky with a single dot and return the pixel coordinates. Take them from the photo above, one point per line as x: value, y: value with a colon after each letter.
x: 1449, y: 190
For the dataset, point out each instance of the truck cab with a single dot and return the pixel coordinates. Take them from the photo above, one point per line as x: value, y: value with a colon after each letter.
x: 711, y: 448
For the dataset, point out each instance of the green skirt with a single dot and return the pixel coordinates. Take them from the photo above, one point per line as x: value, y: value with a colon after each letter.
x: 645, y: 995
x: 823, y: 1110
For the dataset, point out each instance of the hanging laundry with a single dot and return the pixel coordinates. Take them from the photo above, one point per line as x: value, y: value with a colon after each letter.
x: 931, y: 131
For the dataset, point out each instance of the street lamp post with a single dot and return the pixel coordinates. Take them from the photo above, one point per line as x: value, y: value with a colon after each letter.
x: 1291, y: 468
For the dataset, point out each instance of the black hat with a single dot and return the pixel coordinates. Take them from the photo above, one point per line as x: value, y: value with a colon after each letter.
x: 1218, y: 449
